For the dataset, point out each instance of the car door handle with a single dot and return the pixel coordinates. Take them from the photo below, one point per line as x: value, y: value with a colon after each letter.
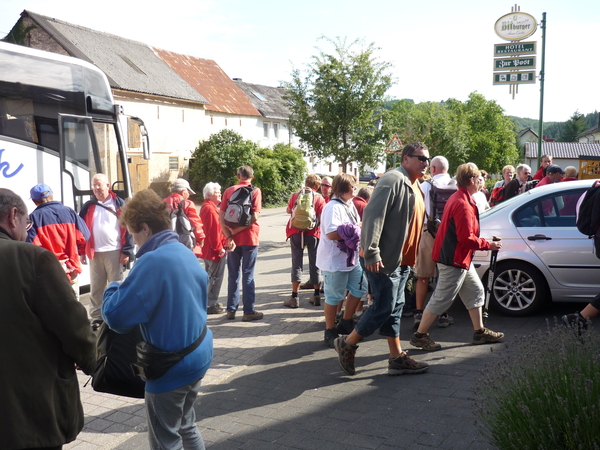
x: 539, y: 237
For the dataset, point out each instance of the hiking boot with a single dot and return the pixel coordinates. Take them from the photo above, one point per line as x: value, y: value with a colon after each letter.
x: 315, y: 300
x: 254, y: 316
x: 215, y: 309
x: 307, y: 285
x: 345, y: 326
x: 291, y: 302
x: 576, y: 321
x: 418, y: 315
x: 404, y: 364
x: 230, y: 315
x: 346, y: 354
x: 487, y: 336
x: 331, y: 335
x: 445, y: 320
x: 424, y: 343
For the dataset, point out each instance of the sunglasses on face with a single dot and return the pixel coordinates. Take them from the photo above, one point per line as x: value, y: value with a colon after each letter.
x: 420, y: 158
x: 325, y: 186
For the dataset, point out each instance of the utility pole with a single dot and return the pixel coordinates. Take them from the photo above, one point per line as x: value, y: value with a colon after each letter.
x: 542, y: 75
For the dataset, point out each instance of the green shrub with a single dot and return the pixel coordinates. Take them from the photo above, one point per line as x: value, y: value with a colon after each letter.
x: 543, y: 392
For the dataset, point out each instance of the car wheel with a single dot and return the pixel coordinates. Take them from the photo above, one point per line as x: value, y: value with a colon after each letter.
x: 518, y: 289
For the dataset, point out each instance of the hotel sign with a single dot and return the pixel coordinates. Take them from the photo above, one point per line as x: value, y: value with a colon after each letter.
x: 515, y: 26
x: 516, y: 48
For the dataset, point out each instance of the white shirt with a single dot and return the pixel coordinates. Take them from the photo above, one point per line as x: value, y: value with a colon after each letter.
x: 482, y: 203
x: 329, y: 257
x: 441, y: 179
x: 105, y: 228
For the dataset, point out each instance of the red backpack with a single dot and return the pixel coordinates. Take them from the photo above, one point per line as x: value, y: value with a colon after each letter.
x: 497, y: 195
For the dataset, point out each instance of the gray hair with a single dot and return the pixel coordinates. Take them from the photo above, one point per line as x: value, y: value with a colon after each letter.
x: 210, y: 189
x: 441, y: 162
x: 523, y: 168
x: 8, y: 201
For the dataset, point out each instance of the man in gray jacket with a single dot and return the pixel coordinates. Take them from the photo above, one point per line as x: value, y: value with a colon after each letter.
x: 391, y: 229
x: 45, y: 332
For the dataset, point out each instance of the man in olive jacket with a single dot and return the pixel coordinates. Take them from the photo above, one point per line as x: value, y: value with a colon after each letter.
x: 44, y: 332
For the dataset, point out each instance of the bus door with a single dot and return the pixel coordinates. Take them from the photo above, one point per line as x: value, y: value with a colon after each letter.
x: 80, y: 159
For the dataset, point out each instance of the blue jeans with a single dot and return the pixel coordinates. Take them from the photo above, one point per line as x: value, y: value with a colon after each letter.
x: 172, y: 419
x: 244, y: 258
x: 388, y: 301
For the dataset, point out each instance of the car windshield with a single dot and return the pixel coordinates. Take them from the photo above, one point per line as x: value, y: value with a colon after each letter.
x: 502, y: 205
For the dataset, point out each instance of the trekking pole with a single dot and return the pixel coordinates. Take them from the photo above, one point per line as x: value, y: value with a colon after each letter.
x: 488, y: 291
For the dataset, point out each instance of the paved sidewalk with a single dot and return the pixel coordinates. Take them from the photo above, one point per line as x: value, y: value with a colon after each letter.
x: 273, y: 385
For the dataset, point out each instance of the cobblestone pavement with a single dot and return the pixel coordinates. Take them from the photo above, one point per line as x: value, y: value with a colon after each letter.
x: 273, y: 385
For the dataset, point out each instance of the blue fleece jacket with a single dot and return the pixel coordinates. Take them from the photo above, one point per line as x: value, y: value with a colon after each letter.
x: 166, y: 295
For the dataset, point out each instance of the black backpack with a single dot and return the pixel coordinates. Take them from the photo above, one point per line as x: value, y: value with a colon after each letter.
x: 588, y: 216
x: 239, y: 208
x: 183, y: 227
x: 438, y: 197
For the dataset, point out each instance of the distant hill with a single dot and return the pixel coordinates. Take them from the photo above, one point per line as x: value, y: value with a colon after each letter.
x: 551, y: 129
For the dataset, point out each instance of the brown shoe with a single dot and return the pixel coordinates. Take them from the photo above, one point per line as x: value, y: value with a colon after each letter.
x: 316, y: 300
x: 291, y: 302
x: 346, y: 354
x: 307, y: 285
x: 230, y: 315
x: 254, y: 316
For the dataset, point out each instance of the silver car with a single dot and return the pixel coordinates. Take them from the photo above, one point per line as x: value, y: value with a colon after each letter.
x: 543, y: 257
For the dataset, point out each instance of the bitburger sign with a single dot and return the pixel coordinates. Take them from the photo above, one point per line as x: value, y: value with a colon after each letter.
x: 515, y: 26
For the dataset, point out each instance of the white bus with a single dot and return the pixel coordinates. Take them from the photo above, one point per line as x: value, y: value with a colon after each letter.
x: 59, y: 126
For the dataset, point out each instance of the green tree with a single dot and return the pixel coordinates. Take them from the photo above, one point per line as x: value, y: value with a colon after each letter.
x: 573, y: 127
x: 18, y: 35
x: 476, y: 131
x: 279, y: 173
x: 337, y: 104
x: 218, y: 158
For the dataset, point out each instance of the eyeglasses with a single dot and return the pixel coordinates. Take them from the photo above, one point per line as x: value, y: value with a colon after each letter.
x: 420, y: 158
x: 325, y: 185
x: 29, y: 224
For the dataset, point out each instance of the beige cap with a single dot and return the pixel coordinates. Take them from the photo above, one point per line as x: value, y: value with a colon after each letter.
x: 180, y: 184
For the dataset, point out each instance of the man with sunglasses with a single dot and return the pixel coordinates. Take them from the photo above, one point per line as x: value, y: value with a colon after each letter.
x: 326, y: 188
x: 513, y: 188
x: 391, y: 230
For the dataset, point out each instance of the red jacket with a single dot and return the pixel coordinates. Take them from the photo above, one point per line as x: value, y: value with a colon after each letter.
x: 59, y: 229
x: 189, y: 208
x: 359, y: 204
x: 87, y: 213
x: 214, y: 240
x: 458, y: 235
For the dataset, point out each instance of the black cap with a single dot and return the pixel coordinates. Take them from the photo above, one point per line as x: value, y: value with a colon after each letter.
x: 554, y: 169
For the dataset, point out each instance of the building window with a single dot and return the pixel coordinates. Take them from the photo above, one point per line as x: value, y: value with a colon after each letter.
x: 266, y: 129
x: 212, y: 120
x: 183, y: 115
x: 276, y: 130
x: 173, y: 163
x: 240, y: 122
x: 225, y: 121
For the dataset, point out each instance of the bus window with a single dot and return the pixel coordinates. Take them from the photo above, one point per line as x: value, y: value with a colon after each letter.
x: 108, y: 145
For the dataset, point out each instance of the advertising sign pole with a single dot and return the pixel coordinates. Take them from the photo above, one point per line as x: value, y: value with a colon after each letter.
x: 542, y: 75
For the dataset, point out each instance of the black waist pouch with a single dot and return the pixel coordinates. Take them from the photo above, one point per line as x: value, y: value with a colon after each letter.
x: 152, y: 362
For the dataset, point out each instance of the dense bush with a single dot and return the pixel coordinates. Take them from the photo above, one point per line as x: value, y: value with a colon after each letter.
x: 278, y: 172
x: 543, y: 392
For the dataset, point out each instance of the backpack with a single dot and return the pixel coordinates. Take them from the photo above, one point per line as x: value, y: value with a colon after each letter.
x: 239, y: 207
x: 497, y: 195
x: 183, y: 227
x: 588, y: 216
x: 528, y: 185
x: 304, y: 217
x: 438, y: 197
x: 114, y: 355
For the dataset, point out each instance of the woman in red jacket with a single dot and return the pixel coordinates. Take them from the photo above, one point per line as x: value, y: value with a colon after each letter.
x: 456, y: 240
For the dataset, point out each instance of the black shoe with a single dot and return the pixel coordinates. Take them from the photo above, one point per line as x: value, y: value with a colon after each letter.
x: 576, y: 321
x: 331, y: 335
x: 345, y: 326
x: 96, y: 324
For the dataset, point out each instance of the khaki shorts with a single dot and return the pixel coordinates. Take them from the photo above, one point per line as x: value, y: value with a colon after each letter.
x: 425, y: 264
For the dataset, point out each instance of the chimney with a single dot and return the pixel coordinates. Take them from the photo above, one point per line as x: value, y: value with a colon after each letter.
x: 236, y: 79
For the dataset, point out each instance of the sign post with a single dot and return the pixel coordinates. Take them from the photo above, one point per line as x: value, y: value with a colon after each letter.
x: 394, y: 146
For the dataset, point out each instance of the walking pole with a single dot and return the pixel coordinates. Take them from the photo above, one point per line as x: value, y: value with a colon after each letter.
x: 488, y: 291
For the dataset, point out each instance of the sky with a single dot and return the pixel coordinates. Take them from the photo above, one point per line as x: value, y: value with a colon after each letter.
x: 438, y: 49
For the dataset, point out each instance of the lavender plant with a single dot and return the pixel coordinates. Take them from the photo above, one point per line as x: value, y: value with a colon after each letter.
x: 543, y: 392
